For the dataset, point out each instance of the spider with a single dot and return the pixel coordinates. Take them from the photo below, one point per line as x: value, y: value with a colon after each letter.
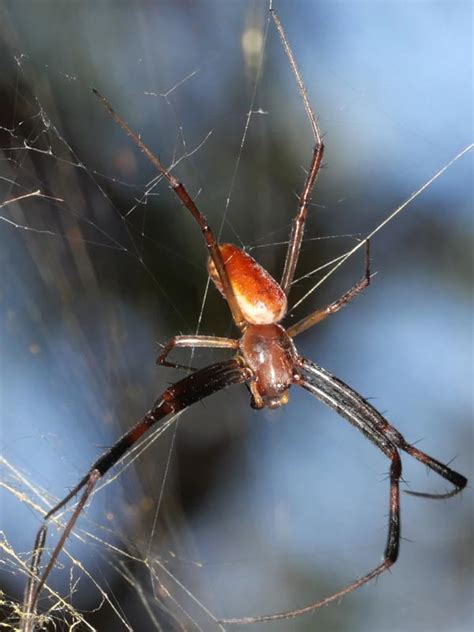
x: 266, y: 360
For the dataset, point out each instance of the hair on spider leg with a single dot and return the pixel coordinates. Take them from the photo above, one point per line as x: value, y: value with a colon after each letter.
x: 404, y: 480
x: 450, y: 460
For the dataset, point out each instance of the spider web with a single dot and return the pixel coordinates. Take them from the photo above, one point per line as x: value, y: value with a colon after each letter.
x: 212, y: 516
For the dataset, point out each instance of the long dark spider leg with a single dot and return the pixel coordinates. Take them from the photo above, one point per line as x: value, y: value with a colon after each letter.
x: 322, y: 313
x: 34, y: 572
x: 393, y: 537
x: 188, y: 391
x: 34, y: 587
x: 299, y: 220
x: 188, y: 202
x: 363, y: 415
x: 351, y: 406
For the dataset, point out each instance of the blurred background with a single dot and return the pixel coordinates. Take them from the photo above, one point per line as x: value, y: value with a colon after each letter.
x: 234, y: 512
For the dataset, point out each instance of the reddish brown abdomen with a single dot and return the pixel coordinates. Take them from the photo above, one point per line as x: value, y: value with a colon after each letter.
x: 260, y: 298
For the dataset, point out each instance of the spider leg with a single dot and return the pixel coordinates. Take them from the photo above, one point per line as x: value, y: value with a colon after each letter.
x: 174, y: 399
x: 393, y: 536
x: 193, y: 341
x: 188, y: 202
x: 299, y: 220
x: 453, y: 477
x: 30, y: 591
x: 351, y: 406
x: 322, y: 313
x: 36, y: 584
x: 364, y: 416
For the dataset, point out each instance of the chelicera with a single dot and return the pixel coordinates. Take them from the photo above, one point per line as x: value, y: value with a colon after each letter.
x: 265, y: 359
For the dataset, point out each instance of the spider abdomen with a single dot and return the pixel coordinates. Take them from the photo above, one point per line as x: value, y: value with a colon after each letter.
x: 271, y: 355
x: 259, y: 296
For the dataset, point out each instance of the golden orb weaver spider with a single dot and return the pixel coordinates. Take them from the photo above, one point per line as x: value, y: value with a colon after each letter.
x: 266, y: 360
